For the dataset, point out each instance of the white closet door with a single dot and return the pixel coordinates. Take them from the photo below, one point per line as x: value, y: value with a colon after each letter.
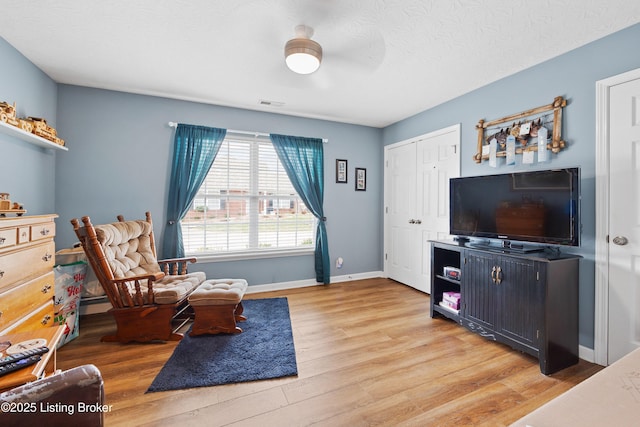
x: 438, y: 160
x: 401, y: 211
x: 417, y: 176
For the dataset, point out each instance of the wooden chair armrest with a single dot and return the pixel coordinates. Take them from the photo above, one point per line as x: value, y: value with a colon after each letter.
x: 191, y: 260
x: 154, y: 277
x: 175, y: 266
x: 135, y: 297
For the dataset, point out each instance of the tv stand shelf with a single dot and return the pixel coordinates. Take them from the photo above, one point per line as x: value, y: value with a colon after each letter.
x: 446, y: 279
x: 528, y: 301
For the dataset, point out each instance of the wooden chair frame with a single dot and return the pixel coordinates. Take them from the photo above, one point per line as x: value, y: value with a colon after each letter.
x: 138, y: 317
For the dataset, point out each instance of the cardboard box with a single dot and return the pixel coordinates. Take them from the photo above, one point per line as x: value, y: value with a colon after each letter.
x: 452, y: 299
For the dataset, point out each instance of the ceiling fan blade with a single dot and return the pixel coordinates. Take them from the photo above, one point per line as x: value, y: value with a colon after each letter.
x: 365, y: 51
x: 315, y: 13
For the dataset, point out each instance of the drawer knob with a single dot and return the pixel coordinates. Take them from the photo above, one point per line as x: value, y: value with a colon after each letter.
x: 46, y: 288
x: 47, y: 257
x: 2, y: 240
x: 45, y: 231
x: 1, y: 274
x: 45, y: 319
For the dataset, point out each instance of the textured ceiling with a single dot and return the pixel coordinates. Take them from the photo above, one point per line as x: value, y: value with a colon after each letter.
x: 384, y: 60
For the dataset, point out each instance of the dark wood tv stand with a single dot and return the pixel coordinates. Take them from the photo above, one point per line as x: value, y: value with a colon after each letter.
x: 528, y: 301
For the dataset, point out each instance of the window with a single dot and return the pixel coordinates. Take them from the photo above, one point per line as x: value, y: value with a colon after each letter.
x: 247, y: 204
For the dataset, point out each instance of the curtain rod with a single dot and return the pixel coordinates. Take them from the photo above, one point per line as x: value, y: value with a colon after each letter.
x: 175, y: 125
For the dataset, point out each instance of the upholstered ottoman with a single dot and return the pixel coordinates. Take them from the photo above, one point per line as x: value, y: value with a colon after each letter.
x: 217, y: 305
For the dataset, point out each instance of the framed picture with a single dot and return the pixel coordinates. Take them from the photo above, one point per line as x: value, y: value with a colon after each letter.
x: 341, y: 171
x: 361, y: 179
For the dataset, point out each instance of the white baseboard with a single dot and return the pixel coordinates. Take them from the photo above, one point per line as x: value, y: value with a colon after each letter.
x: 586, y: 353
x: 94, y: 308
x: 281, y: 286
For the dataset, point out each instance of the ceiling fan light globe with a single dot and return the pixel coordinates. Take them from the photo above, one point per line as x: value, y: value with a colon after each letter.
x: 303, y: 56
x: 302, y: 63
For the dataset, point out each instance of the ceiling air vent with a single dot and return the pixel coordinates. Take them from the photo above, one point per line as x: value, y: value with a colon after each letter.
x: 270, y: 103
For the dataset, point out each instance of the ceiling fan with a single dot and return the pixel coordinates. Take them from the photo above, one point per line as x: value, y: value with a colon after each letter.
x: 303, y: 55
x: 359, y: 50
x: 333, y: 37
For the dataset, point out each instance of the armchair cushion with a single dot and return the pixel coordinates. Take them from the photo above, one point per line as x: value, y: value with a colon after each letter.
x: 219, y: 292
x: 127, y: 247
x: 171, y: 289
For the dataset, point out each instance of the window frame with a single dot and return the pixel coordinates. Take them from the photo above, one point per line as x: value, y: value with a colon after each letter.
x: 253, y: 199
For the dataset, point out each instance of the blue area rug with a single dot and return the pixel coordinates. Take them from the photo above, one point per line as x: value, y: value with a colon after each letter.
x: 262, y: 351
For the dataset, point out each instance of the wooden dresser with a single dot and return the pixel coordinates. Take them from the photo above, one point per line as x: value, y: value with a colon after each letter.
x: 27, y: 256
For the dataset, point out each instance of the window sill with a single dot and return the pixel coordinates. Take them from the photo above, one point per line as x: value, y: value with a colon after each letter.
x: 239, y: 256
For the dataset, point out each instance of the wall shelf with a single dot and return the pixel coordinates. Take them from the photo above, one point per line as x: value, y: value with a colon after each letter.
x: 29, y: 137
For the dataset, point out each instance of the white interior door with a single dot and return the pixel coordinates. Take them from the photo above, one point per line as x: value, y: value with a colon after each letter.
x: 417, y: 176
x: 438, y: 160
x: 624, y: 220
x: 400, y: 177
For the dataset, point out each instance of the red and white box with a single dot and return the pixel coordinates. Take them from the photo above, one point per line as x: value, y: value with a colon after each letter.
x: 452, y: 273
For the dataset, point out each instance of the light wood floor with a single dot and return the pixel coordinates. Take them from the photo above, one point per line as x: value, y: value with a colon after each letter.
x: 368, y: 353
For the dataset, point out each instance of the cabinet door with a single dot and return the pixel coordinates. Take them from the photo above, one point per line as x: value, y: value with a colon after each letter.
x: 478, y: 300
x: 519, y: 299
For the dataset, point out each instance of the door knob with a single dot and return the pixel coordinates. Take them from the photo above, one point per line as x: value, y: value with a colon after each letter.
x: 620, y: 240
x: 418, y: 221
x: 412, y: 221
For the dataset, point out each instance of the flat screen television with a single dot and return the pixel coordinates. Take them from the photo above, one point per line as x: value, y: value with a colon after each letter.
x: 541, y: 207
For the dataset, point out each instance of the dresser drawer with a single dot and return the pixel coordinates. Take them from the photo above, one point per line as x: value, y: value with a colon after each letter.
x: 22, y: 300
x: 8, y: 238
x: 27, y: 279
x: 24, y: 235
x: 27, y: 263
x: 40, y: 318
x: 43, y: 231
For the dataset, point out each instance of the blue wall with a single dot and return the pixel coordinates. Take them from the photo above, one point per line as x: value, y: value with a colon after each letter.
x: 119, y: 162
x: 572, y: 76
x: 27, y: 171
x: 119, y: 148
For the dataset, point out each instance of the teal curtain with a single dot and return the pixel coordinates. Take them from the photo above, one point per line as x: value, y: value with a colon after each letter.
x: 303, y: 160
x: 194, y: 149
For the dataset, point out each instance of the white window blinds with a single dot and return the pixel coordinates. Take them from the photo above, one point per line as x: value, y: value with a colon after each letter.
x: 247, y: 204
